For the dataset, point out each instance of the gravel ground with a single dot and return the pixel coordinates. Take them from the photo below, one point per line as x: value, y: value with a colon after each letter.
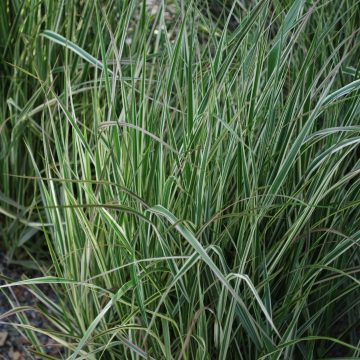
x: 13, y: 345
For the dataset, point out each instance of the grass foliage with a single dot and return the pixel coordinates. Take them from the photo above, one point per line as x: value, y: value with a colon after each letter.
x: 188, y: 183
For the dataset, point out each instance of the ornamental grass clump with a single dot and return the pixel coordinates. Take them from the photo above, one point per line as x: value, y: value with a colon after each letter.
x: 188, y: 184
